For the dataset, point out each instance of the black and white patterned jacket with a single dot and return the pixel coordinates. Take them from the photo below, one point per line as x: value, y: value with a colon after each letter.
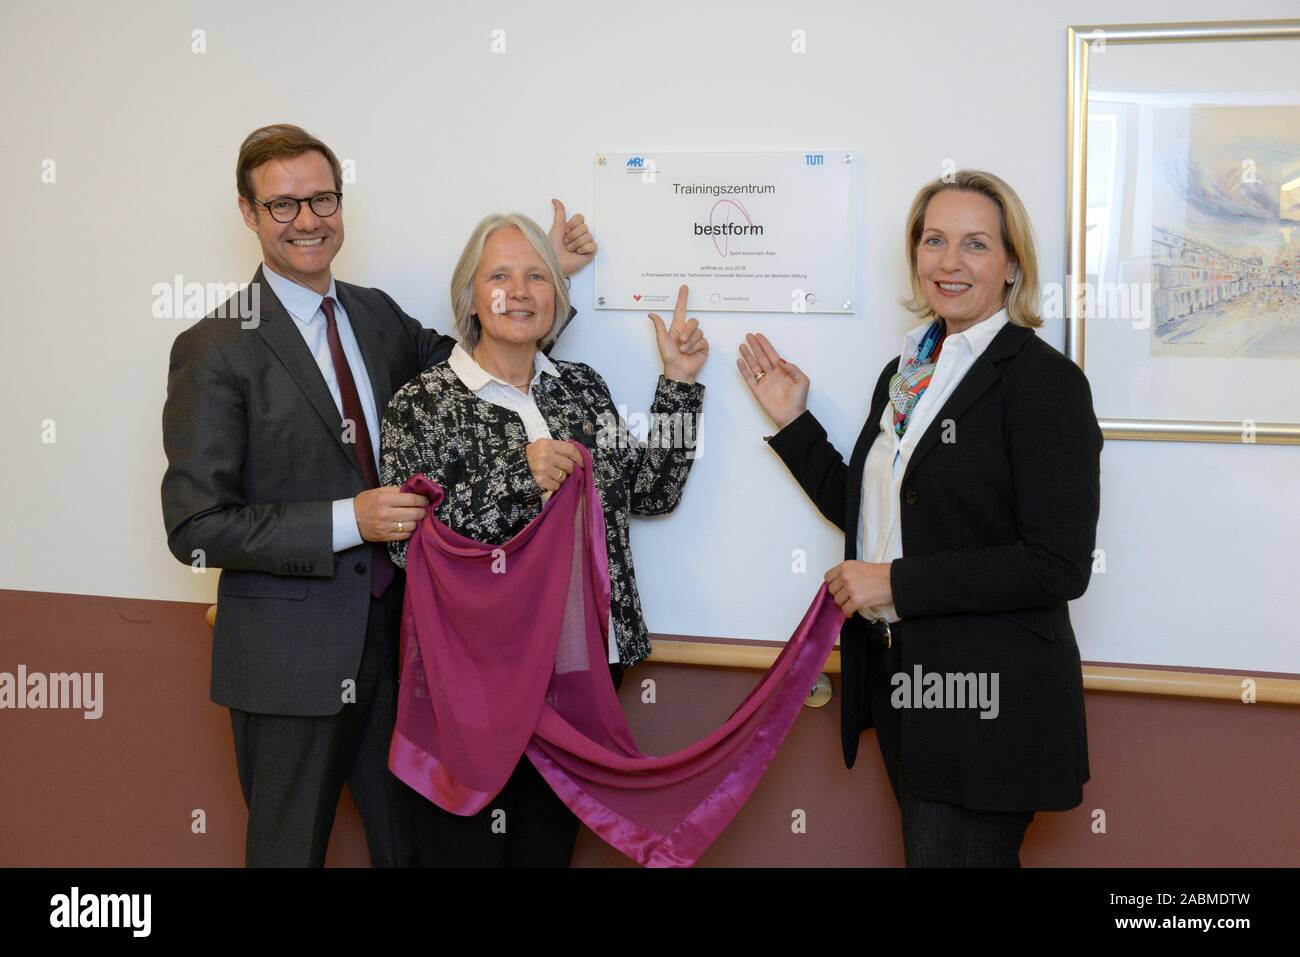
x: 476, y: 451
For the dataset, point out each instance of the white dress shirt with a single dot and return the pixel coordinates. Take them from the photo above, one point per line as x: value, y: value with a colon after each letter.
x: 303, y: 305
x: 499, y: 392
x: 880, y: 536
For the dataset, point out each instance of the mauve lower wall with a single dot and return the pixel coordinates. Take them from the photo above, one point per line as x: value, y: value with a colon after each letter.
x: 1181, y: 782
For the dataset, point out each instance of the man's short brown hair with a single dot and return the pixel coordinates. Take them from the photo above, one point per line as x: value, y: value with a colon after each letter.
x: 279, y: 141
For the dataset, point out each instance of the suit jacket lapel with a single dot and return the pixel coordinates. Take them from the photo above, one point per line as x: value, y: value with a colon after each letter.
x: 277, y: 329
x: 857, y: 463
x: 978, y: 378
x: 372, y: 350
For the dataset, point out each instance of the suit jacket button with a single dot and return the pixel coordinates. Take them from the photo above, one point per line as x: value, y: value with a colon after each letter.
x: 910, y: 497
x: 361, y: 568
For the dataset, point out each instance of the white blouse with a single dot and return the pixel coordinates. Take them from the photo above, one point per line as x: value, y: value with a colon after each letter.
x: 880, y: 537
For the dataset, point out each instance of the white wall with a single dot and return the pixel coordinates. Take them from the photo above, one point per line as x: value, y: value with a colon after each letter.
x: 144, y: 133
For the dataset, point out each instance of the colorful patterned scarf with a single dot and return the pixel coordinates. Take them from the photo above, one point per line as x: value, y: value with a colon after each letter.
x: 907, y: 387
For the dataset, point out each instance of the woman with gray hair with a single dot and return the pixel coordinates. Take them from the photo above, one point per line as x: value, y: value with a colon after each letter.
x: 492, y: 425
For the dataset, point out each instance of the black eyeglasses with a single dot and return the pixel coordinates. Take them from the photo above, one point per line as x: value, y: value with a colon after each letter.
x: 284, y: 209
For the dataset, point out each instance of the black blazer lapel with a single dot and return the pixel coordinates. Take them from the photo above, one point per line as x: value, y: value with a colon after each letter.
x: 985, y: 371
x: 277, y: 329
x: 858, y: 462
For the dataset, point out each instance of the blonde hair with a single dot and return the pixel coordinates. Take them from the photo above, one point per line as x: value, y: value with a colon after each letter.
x: 1021, y: 300
x: 468, y: 327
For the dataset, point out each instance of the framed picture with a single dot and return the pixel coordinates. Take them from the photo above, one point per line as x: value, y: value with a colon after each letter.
x: 1183, y: 228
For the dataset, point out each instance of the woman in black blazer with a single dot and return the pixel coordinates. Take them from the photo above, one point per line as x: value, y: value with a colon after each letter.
x: 969, y: 509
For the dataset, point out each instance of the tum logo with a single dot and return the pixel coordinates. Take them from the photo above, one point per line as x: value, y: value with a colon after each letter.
x: 813, y: 159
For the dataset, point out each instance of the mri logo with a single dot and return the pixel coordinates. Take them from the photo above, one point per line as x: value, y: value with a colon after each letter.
x: 643, y: 166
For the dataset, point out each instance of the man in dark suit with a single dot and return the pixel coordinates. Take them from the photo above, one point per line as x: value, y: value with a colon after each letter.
x: 271, y: 430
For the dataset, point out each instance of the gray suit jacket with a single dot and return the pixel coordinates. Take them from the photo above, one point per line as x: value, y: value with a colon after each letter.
x: 255, y: 457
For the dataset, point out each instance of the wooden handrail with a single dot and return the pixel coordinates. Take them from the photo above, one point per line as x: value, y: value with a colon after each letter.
x: 665, y: 651
x: 1182, y: 684
x: 1185, y: 684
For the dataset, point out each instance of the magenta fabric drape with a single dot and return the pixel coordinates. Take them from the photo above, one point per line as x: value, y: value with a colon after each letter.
x: 504, y: 652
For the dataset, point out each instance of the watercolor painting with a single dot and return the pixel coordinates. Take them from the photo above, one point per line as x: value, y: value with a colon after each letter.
x: 1225, y: 232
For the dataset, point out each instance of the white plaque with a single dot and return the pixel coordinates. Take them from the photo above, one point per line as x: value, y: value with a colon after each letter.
x: 748, y: 232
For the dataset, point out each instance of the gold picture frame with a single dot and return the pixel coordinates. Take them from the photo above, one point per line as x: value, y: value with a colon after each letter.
x: 1081, y: 41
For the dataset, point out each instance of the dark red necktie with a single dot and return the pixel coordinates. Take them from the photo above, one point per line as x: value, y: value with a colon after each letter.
x: 382, y: 570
